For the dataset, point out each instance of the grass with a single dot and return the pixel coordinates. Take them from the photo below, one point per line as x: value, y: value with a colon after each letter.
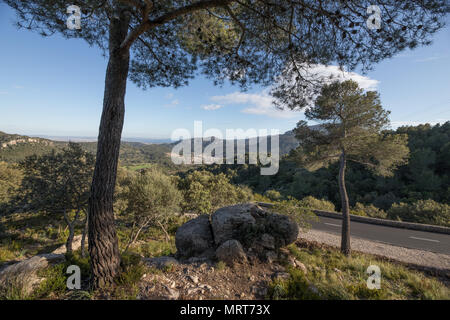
x: 331, y: 275
x: 28, y: 233
x: 127, y: 284
x: 220, y: 266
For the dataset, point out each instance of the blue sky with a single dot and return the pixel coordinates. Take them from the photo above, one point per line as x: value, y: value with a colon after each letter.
x: 53, y: 86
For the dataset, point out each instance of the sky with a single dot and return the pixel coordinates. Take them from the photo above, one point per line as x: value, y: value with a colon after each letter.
x: 53, y: 86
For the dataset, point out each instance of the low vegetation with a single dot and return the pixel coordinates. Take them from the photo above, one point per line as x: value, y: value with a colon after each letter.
x: 152, y: 198
x: 333, y: 276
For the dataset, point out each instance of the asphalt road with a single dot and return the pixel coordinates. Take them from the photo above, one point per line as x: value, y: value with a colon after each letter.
x: 429, y: 241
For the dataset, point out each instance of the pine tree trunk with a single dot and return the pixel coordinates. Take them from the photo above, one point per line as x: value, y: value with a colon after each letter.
x: 69, y: 240
x: 102, y: 237
x: 345, y: 240
x: 83, y: 237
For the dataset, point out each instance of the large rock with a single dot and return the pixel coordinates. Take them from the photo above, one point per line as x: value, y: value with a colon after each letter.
x: 282, y: 228
x: 194, y: 238
x: 23, y: 275
x: 231, y: 252
x: 253, y: 227
x: 257, y: 231
x: 76, y: 244
x: 231, y: 222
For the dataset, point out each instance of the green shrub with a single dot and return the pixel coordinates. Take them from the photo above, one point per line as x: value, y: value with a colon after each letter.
x: 127, y: 283
x: 54, y: 284
x: 368, y: 211
x: 152, y: 198
x: 297, y: 287
x: 317, y: 204
x: 296, y: 210
x: 422, y: 211
x: 10, y: 180
x: 273, y: 195
x: 205, y: 192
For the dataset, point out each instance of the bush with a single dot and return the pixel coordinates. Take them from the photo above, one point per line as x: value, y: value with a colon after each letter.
x: 10, y: 180
x: 296, y: 210
x: 422, y: 211
x: 368, y: 211
x: 273, y: 195
x: 151, y: 199
x: 205, y: 192
x: 317, y: 204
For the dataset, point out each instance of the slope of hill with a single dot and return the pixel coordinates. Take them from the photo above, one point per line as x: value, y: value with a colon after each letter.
x: 14, y: 148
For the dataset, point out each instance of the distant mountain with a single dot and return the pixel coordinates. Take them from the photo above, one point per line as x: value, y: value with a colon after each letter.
x: 14, y: 148
x: 94, y: 139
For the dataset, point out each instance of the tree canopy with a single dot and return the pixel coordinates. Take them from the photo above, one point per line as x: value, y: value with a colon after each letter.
x: 245, y: 41
x: 164, y: 43
x: 350, y: 121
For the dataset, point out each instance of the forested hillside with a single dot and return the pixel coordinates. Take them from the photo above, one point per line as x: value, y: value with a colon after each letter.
x: 132, y: 153
x: 425, y: 177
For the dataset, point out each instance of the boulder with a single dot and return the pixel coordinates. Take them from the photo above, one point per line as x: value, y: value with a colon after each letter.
x: 194, y: 238
x: 23, y: 275
x: 282, y: 228
x: 231, y: 252
x: 257, y: 231
x: 76, y: 244
x: 253, y: 227
x: 227, y: 223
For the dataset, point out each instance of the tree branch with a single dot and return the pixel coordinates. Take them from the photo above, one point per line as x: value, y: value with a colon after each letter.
x: 149, y: 24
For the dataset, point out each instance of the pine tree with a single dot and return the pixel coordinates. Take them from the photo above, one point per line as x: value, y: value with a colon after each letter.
x: 164, y: 43
x: 352, y: 128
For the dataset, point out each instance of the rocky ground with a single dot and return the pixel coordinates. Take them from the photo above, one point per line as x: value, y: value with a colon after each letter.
x: 204, y: 280
x: 245, y: 238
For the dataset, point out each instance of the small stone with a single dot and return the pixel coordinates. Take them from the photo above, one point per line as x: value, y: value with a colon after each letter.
x: 207, y: 287
x: 301, y: 266
x: 281, y: 276
x: 171, y: 294
x: 192, y: 278
x: 271, y: 256
x: 193, y: 290
x: 292, y: 262
x: 313, y: 289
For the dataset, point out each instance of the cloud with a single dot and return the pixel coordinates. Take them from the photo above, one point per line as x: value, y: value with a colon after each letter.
x: 258, y: 103
x: 212, y: 107
x: 18, y: 87
x: 172, y: 103
x: 334, y: 73
x: 262, y: 103
x: 3, y: 92
x: 428, y: 59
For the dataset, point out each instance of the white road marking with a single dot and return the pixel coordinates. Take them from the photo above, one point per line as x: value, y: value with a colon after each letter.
x: 424, y: 239
x: 332, y: 224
